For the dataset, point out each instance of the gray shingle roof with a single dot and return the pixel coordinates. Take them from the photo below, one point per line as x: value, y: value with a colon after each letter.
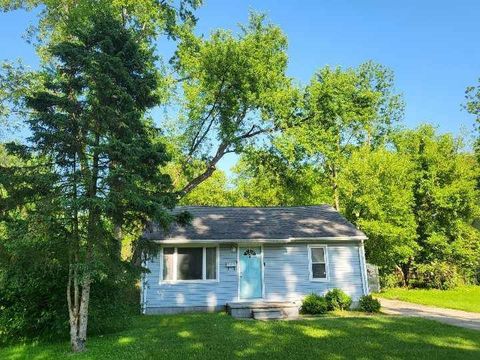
x: 258, y: 223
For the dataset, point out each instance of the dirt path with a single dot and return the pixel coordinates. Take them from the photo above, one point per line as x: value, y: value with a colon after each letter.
x: 448, y: 316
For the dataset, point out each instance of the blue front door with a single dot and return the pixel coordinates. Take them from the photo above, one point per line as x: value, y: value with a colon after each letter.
x: 250, y: 272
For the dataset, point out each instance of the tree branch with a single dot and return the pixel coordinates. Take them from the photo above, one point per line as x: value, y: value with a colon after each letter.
x: 211, y: 167
x: 223, y: 149
x: 182, y: 79
x: 195, y: 141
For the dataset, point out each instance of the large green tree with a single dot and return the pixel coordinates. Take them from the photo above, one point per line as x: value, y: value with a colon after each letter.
x: 233, y: 89
x: 152, y: 20
x: 376, y: 188
x: 445, y: 198
x: 96, y: 151
x: 264, y: 177
x: 343, y: 109
x: 149, y: 18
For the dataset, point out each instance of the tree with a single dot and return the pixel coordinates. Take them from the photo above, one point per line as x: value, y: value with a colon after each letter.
x: 214, y: 191
x: 16, y: 81
x: 376, y: 187
x: 31, y: 268
x: 267, y: 178
x: 233, y: 90
x: 150, y: 19
x: 445, y: 198
x: 390, y: 107
x: 95, y: 155
x: 472, y: 96
x: 342, y: 109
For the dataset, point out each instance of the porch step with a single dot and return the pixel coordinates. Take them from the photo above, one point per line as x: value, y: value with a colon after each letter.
x: 263, y: 310
x: 268, y: 314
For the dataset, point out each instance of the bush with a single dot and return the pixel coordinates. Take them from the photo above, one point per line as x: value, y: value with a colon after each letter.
x: 34, y: 306
x: 368, y: 304
x: 32, y: 287
x: 314, y: 304
x: 33, y: 278
x: 390, y: 281
x: 338, y: 300
x: 436, y: 275
x: 113, y: 303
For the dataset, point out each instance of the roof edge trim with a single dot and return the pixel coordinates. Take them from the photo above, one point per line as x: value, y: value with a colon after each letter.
x: 287, y: 240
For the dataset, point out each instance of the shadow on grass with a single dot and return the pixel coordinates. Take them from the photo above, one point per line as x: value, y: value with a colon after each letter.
x: 218, y: 336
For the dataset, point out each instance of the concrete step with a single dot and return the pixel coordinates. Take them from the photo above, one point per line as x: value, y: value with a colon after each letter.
x: 268, y: 314
x: 275, y: 309
x: 261, y: 304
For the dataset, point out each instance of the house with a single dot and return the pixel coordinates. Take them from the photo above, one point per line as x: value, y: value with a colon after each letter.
x: 247, y: 257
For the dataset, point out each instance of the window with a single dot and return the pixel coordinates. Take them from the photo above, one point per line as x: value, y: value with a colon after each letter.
x: 211, y: 267
x: 318, y: 262
x: 189, y: 263
x: 168, y: 263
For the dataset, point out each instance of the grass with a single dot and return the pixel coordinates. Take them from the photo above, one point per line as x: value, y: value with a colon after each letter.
x: 465, y: 298
x: 218, y: 336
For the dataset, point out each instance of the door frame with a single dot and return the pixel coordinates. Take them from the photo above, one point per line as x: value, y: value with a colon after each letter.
x: 262, y: 267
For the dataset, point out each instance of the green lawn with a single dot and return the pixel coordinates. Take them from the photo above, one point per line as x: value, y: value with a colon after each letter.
x: 462, y: 298
x: 218, y: 336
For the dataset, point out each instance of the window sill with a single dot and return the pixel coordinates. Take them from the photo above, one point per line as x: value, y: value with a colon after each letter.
x: 318, y: 280
x: 173, y: 282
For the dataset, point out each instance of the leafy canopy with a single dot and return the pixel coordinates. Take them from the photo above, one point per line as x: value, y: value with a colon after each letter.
x: 233, y: 89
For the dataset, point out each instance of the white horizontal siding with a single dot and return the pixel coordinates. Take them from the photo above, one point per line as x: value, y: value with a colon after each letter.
x: 286, y: 277
x: 287, y: 273
x: 193, y: 294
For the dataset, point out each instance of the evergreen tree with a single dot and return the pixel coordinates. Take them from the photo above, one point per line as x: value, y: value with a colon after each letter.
x: 95, y: 162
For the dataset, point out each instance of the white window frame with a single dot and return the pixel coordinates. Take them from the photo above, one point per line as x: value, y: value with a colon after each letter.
x: 204, y: 265
x: 310, y: 263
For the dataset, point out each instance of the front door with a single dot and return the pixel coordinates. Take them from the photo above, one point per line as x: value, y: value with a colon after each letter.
x: 250, y: 272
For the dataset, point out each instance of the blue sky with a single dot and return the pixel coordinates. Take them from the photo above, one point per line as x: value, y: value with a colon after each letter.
x: 432, y: 46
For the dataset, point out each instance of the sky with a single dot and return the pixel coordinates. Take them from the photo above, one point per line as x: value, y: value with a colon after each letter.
x: 432, y: 46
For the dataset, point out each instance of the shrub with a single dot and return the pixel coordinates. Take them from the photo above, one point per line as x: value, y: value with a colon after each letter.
x: 113, y: 303
x: 33, y: 278
x: 338, y: 300
x: 368, y: 304
x: 389, y: 281
x: 314, y: 304
x: 436, y: 275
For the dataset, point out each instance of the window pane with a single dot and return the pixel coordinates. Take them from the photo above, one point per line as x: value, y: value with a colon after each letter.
x: 318, y: 255
x: 168, y: 263
x: 211, y: 254
x: 189, y: 263
x: 319, y: 271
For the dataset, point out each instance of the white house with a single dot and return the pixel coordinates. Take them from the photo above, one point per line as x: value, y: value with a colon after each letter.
x: 247, y: 258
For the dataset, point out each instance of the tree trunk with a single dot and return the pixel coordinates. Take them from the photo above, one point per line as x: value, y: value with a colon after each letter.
x: 118, y: 235
x: 222, y: 149
x: 82, y: 325
x: 78, y: 307
x: 400, y: 275
x: 78, y: 311
x: 333, y: 179
x: 117, y: 186
x: 78, y: 328
x: 406, y: 271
